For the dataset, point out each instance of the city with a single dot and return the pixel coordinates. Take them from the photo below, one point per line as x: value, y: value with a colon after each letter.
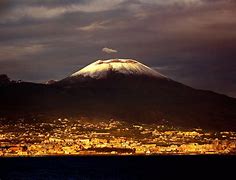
x: 91, y: 137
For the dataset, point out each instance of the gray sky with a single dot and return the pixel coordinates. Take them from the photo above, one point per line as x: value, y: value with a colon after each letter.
x: 191, y: 41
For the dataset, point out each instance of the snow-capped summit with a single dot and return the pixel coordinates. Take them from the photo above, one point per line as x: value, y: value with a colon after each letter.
x: 101, y: 68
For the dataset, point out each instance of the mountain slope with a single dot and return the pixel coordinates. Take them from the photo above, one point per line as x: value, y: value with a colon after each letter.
x: 125, y: 90
x: 129, y: 90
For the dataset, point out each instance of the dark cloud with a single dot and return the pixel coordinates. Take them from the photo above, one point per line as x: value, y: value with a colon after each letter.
x: 192, y: 41
x: 4, y: 5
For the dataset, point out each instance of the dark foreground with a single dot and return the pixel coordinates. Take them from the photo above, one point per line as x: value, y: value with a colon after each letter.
x: 113, y: 167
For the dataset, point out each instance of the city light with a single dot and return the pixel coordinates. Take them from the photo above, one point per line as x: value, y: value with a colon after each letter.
x: 83, y: 137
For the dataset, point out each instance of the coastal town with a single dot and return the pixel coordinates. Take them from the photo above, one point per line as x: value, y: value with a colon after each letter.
x: 83, y: 137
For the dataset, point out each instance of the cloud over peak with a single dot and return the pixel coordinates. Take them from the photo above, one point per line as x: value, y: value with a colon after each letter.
x: 109, y: 50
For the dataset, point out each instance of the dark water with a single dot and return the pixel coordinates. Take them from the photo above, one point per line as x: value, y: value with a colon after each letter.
x: 108, y: 167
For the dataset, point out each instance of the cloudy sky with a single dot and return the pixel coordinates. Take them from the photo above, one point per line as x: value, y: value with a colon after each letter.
x: 191, y: 41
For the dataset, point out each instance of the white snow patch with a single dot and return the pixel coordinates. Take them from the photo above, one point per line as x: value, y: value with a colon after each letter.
x: 101, y: 68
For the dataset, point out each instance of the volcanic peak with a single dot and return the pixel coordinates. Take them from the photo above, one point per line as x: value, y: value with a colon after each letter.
x: 100, y: 69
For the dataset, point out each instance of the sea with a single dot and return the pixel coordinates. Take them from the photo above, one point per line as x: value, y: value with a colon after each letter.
x: 116, y: 167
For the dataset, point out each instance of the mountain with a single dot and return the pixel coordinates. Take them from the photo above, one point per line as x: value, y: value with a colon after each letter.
x: 111, y: 70
x: 122, y: 89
